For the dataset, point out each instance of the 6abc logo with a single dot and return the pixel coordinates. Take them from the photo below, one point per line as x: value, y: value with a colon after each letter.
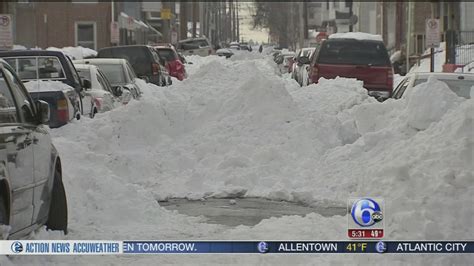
x: 365, y: 219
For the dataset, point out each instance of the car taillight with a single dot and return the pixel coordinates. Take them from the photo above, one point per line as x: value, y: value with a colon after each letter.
x: 314, y: 74
x: 155, y: 68
x: 179, y: 65
x: 98, y: 103
x: 390, y: 79
x: 63, y: 110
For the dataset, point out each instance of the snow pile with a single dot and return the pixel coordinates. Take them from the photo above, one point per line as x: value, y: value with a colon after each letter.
x: 18, y: 47
x: 76, y: 53
x: 234, y: 128
x: 357, y: 36
x: 46, y: 85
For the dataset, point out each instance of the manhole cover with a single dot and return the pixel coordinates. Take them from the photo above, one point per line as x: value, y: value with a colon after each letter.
x: 244, y: 211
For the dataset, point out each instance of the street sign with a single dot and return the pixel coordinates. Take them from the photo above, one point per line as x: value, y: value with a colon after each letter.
x: 166, y: 13
x: 174, y: 37
x: 6, y: 31
x: 432, y: 32
x: 114, y: 32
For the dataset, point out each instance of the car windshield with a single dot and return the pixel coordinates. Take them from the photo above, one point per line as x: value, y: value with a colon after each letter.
x: 114, y: 73
x: 353, y: 52
x: 167, y: 54
x: 193, y: 44
x: 462, y: 87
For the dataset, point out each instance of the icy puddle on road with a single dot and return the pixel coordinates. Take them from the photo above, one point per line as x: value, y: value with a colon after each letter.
x: 244, y: 211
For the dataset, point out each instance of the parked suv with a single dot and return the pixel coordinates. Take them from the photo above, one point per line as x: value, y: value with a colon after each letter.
x: 195, y: 46
x: 66, y: 104
x: 145, y: 62
x: 352, y: 55
x: 31, y: 188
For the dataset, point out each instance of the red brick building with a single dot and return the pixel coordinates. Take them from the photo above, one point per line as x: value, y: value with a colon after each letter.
x: 60, y: 24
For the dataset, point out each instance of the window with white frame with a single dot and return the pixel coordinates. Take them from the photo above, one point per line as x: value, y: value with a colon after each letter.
x: 86, y: 34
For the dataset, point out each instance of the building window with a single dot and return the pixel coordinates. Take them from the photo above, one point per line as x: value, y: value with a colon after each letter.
x: 86, y: 35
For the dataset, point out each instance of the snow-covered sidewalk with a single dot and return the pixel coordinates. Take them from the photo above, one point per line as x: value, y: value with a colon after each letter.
x: 236, y: 127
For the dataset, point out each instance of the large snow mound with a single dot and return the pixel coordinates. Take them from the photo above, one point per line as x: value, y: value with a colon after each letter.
x: 235, y: 128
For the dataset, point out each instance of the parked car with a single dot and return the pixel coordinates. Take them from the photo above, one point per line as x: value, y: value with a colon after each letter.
x: 104, y: 95
x: 460, y: 83
x: 173, y: 63
x: 227, y: 52
x: 284, y: 61
x: 234, y: 46
x: 355, y: 55
x: 301, y: 65
x: 144, y: 60
x: 65, y: 104
x: 195, y: 46
x: 119, y: 73
x: 245, y: 46
x: 31, y: 188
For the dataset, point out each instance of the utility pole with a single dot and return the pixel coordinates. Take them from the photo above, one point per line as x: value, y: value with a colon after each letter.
x: 166, y: 24
x: 234, y: 22
x: 301, y: 27
x: 183, y: 21
x: 195, y: 17
x: 409, y: 28
x: 202, y: 23
x: 238, y: 20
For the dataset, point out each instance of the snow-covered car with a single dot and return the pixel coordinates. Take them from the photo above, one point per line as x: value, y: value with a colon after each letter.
x: 460, y: 83
x: 234, y: 46
x: 58, y: 95
x: 144, y: 60
x: 33, y: 65
x: 104, y: 95
x: 31, y: 188
x: 195, y: 46
x: 301, y: 65
x: 119, y: 73
x: 225, y: 52
x: 285, y: 61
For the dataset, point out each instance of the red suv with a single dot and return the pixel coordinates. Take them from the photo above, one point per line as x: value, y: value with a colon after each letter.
x: 173, y: 63
x: 363, y: 59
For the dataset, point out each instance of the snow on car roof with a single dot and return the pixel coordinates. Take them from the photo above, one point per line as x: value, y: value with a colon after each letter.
x: 357, y: 36
x: 444, y: 75
x: 46, y: 85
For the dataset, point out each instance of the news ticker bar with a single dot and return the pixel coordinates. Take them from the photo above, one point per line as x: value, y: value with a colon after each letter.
x: 106, y: 247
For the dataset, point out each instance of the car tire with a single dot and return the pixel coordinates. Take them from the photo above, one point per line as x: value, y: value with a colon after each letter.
x: 3, y: 211
x: 3, y: 218
x: 170, y: 82
x: 57, y: 218
x: 93, y: 113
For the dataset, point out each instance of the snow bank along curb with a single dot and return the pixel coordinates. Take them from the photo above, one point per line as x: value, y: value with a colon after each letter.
x: 234, y: 127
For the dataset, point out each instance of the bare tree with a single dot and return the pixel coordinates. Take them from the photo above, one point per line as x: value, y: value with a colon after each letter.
x: 275, y: 17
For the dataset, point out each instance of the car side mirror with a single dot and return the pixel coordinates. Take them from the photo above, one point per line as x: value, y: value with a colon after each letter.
x: 303, y: 60
x: 86, y: 84
x: 43, y: 111
x: 117, y: 91
x: 145, y: 78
